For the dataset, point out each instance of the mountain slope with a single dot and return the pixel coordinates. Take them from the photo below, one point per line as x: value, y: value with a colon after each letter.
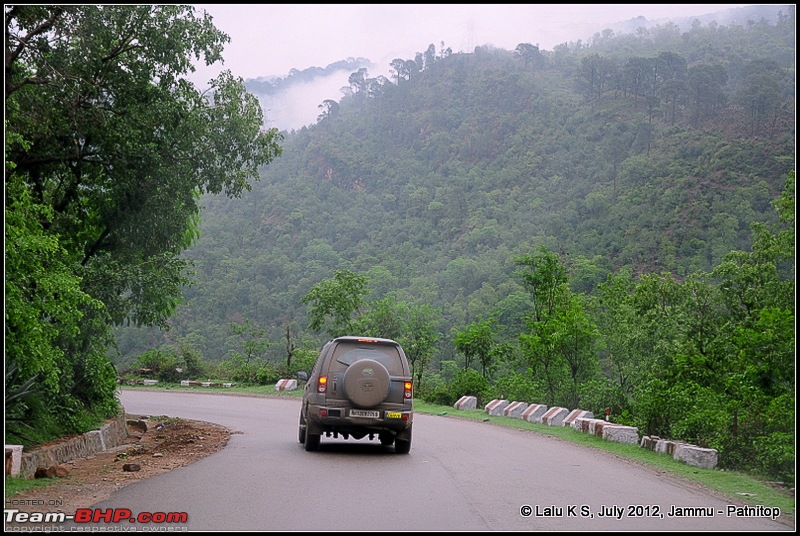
x: 431, y: 184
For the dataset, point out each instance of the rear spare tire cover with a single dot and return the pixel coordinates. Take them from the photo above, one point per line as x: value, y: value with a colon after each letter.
x: 366, y: 383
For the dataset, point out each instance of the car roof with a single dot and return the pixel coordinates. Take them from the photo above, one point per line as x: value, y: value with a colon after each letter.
x: 356, y: 338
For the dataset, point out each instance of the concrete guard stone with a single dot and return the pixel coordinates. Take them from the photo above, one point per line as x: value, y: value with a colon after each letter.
x: 496, y: 407
x: 575, y: 414
x: 555, y: 416
x: 286, y: 385
x: 466, y: 402
x: 515, y: 409
x: 696, y: 456
x: 534, y: 413
x: 586, y: 424
x: 621, y: 434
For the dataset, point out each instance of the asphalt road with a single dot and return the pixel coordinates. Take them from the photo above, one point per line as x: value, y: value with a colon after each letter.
x: 459, y: 476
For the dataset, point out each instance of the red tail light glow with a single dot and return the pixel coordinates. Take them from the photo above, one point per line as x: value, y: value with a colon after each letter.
x: 408, y: 392
x: 322, y: 384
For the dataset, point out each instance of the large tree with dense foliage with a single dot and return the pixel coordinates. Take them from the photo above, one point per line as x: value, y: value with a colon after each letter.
x: 108, y: 149
x: 336, y: 303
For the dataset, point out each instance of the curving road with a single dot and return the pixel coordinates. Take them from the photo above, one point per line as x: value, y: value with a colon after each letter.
x: 460, y: 476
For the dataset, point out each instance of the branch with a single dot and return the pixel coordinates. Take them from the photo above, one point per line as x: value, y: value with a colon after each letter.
x: 11, y: 56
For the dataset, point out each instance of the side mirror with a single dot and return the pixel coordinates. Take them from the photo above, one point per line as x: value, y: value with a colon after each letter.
x: 302, y: 376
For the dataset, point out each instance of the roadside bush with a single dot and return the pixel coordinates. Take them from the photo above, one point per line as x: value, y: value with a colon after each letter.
x: 517, y: 386
x: 266, y: 374
x: 161, y: 365
x: 776, y: 456
x: 302, y: 361
x: 599, y: 395
x: 192, y: 362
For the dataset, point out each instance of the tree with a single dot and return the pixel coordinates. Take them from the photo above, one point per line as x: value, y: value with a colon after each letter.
x: 594, y: 75
x: 401, y: 70
x: 546, y: 278
x: 530, y: 54
x: 705, y: 87
x: 253, y: 340
x: 329, y: 108
x: 113, y: 147
x: 414, y: 327
x: 759, y: 381
x: 358, y: 82
x: 617, y: 324
x: 637, y: 72
x: 763, y: 94
x: 559, y: 342
x: 335, y: 304
x: 429, y: 57
x: 384, y: 318
x: 574, y: 335
x: 476, y: 341
x: 419, y: 339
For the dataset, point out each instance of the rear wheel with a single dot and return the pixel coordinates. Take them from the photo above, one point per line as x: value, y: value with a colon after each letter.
x: 311, y: 441
x: 403, y: 446
x: 301, y: 430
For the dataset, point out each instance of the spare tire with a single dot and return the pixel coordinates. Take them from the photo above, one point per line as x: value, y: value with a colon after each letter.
x: 366, y: 383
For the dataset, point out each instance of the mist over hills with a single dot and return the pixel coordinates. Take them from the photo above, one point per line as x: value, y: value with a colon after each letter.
x: 287, y: 101
x: 292, y: 101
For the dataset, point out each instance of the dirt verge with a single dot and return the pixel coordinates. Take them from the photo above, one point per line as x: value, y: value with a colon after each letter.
x: 157, y: 444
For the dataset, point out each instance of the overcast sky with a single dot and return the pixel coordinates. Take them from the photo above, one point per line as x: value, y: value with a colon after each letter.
x: 271, y: 39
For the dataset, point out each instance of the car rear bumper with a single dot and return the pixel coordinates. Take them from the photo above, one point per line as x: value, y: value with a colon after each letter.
x: 323, y: 419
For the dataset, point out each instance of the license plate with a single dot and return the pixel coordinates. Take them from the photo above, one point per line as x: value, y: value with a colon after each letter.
x: 394, y: 415
x: 369, y: 414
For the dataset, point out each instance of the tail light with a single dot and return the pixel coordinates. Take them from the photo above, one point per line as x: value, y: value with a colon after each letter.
x: 322, y: 384
x: 408, y: 392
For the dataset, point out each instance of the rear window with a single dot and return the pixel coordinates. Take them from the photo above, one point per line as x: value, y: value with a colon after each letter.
x: 346, y: 354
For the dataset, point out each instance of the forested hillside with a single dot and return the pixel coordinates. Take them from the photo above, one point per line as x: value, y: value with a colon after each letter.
x: 654, y: 152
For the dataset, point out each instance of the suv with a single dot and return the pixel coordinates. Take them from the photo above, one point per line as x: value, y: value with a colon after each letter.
x: 359, y: 386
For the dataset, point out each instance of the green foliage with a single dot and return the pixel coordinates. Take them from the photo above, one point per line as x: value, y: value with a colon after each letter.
x: 335, y: 303
x: 433, y: 187
x: 108, y: 150
x: 657, y: 406
x: 600, y: 394
x: 475, y: 341
x: 414, y: 327
x: 194, y: 366
x: 303, y: 360
x: 383, y: 318
x: 238, y: 369
x: 519, y: 386
x: 162, y: 365
x: 447, y: 388
x: 252, y: 341
x: 470, y: 382
x: 17, y: 392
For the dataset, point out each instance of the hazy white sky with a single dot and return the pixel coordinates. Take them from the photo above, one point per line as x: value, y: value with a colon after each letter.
x: 271, y: 39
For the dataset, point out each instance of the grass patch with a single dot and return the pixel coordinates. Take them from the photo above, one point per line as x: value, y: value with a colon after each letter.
x: 258, y: 390
x: 19, y: 485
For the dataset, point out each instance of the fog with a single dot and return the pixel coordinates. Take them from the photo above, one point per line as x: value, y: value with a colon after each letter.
x: 271, y: 40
